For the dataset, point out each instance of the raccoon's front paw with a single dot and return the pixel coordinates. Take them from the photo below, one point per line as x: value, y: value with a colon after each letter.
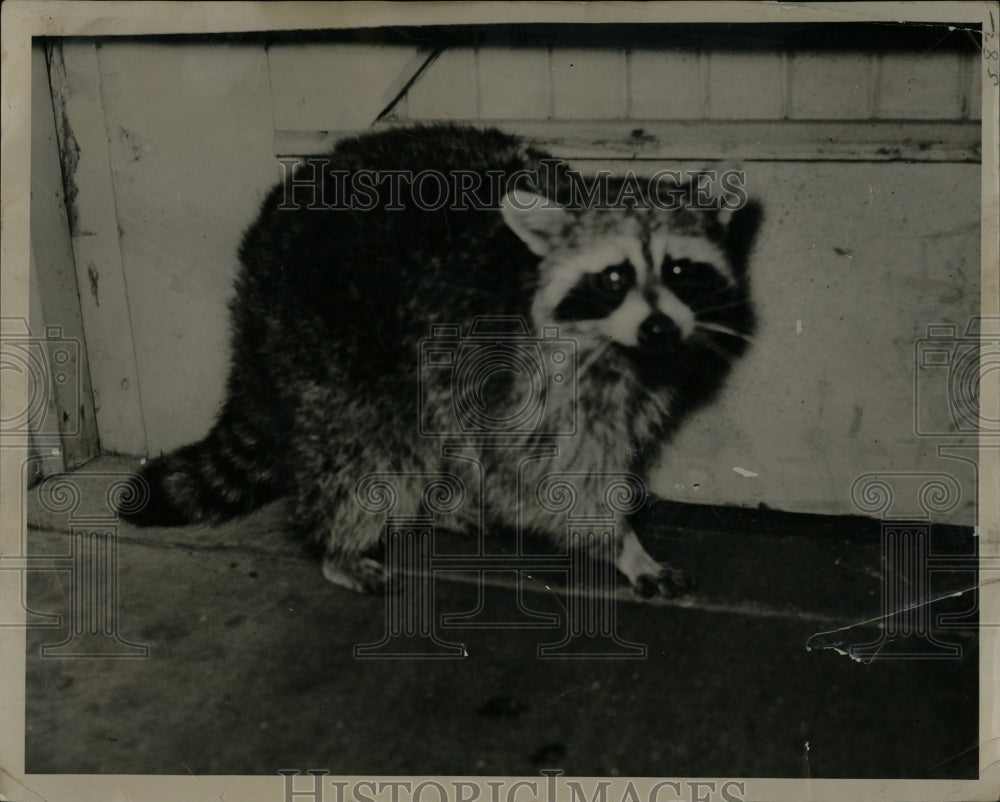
x: 647, y: 576
x: 360, y: 574
x: 669, y: 583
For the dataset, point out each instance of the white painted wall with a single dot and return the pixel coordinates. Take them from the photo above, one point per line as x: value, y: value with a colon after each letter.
x: 854, y: 261
x: 189, y: 132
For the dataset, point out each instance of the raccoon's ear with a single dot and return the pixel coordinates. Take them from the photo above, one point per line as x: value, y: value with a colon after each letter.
x: 741, y: 226
x: 535, y: 219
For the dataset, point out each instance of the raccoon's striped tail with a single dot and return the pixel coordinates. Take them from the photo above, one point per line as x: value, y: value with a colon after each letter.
x: 218, y: 478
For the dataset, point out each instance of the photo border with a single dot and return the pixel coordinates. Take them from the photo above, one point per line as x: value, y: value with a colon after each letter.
x: 23, y: 20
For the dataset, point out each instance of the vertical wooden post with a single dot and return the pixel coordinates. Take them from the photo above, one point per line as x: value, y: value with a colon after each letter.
x: 93, y: 225
x: 55, y: 277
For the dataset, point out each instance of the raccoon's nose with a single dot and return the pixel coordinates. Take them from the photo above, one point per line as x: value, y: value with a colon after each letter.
x: 658, y: 333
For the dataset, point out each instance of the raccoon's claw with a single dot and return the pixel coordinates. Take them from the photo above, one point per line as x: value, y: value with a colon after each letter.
x: 362, y: 574
x: 669, y: 583
x: 644, y: 586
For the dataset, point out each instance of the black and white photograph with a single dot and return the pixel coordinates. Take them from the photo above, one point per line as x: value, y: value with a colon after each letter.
x: 500, y: 402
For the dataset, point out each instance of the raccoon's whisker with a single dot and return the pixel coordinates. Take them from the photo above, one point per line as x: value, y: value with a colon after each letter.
x: 717, y: 293
x: 703, y: 324
x: 719, y: 308
x: 714, y: 346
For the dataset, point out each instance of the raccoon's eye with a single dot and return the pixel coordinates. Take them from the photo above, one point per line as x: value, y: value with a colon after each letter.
x: 617, y: 278
x: 677, y: 267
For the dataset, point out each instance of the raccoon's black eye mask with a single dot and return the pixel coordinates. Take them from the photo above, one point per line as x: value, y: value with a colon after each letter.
x: 693, y: 282
x: 597, y: 295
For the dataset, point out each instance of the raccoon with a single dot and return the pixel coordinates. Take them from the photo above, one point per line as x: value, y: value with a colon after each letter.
x: 343, y: 278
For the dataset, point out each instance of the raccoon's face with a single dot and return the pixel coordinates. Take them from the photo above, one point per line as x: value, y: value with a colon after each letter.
x: 663, y: 286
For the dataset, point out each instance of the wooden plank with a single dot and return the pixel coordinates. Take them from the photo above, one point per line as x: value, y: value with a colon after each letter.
x: 514, y: 83
x: 62, y: 341
x: 745, y: 86
x: 589, y: 84
x: 393, y: 101
x: 783, y: 140
x: 831, y: 86
x: 43, y: 449
x: 763, y: 141
x: 974, y: 69
x: 75, y: 78
x: 448, y: 89
x: 335, y: 86
x: 666, y: 85
x: 923, y: 86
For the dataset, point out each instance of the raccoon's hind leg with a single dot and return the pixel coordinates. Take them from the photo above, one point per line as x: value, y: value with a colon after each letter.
x: 341, y: 437
x: 327, y: 513
x: 329, y: 516
x: 647, y: 576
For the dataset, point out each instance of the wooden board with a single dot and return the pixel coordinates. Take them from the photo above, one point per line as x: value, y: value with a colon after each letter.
x: 100, y: 275
x: 588, y: 84
x: 667, y: 84
x: 448, y: 89
x: 921, y: 86
x: 832, y: 86
x: 747, y: 86
x: 62, y: 342
x: 332, y: 87
x: 751, y: 140
x: 514, y: 84
x: 44, y: 451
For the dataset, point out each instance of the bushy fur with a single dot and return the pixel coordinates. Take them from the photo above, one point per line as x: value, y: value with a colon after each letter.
x: 329, y: 309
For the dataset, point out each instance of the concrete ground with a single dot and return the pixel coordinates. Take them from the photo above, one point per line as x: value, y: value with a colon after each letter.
x: 250, y: 664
